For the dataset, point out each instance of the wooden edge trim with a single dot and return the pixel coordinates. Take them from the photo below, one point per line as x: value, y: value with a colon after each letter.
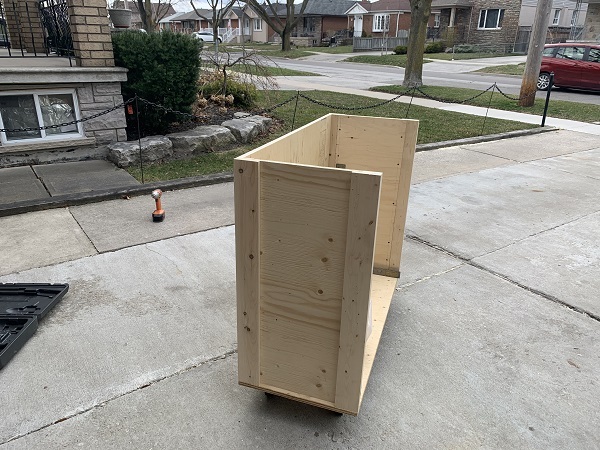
x: 360, y: 248
x: 406, y: 167
x: 383, y: 271
x: 299, y: 398
x: 247, y: 247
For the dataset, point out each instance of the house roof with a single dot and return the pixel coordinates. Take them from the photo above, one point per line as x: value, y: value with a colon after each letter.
x: 191, y: 15
x: 172, y: 18
x: 327, y: 7
x: 386, y: 5
x: 437, y: 4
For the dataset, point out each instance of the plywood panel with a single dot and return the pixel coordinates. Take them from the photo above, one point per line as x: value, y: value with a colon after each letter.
x: 304, y: 215
x: 377, y: 144
x: 406, y: 166
x: 358, y: 267
x: 307, y: 145
x: 382, y: 291
x: 247, y: 228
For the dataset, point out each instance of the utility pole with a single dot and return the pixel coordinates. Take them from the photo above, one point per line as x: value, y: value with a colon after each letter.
x: 534, y: 54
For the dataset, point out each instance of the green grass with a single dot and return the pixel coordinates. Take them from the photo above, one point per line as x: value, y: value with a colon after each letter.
x: 435, y: 125
x: 273, y: 71
x: 461, y: 56
x: 386, y: 60
x: 333, y: 50
x: 204, y: 164
x: 292, y: 54
x: 582, y: 112
x: 509, y: 69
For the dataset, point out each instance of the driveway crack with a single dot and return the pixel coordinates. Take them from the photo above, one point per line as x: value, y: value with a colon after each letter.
x: 103, y: 403
x: 504, y: 277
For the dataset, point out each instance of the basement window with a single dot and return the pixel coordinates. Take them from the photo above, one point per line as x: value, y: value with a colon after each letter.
x: 490, y: 19
x: 33, y: 110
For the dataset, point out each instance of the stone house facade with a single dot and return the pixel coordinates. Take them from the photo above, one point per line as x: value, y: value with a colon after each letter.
x: 47, y: 90
x: 486, y: 23
x: 591, y: 27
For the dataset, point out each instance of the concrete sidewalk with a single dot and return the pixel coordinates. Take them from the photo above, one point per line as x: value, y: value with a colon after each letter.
x: 491, y: 341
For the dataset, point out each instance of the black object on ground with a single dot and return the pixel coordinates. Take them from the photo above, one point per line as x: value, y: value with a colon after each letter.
x: 21, y: 306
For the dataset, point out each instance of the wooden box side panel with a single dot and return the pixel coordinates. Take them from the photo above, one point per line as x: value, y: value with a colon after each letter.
x: 362, y: 225
x: 246, y: 196
x: 307, y: 145
x: 382, y: 145
x: 303, y: 227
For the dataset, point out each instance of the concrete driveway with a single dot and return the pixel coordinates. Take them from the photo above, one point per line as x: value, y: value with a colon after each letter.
x: 492, y: 340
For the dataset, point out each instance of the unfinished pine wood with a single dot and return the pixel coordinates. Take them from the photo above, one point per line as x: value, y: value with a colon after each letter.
x: 307, y: 145
x: 377, y: 144
x: 382, y: 291
x: 247, y: 235
x: 316, y: 233
x: 304, y: 216
x: 406, y: 167
x: 358, y: 267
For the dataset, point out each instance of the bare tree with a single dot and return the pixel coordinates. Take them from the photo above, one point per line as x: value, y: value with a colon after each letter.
x: 250, y: 67
x: 218, y: 14
x: 420, y: 10
x: 283, y: 26
x: 152, y: 13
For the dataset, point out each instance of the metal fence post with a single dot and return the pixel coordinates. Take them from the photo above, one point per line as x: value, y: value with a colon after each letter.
x: 548, y: 98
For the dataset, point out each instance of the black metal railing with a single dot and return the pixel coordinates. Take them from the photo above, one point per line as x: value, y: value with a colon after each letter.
x: 29, y: 29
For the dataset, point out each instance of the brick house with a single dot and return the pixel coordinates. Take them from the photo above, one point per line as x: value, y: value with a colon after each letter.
x: 487, y: 23
x: 57, y: 67
x: 321, y: 20
x: 383, y: 17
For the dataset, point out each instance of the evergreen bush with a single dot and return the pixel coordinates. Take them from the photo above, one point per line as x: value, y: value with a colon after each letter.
x: 163, y: 68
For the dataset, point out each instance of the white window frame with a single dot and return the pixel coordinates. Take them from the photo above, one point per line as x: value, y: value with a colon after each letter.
x: 556, y: 17
x: 381, y: 22
x: 44, y: 137
x: 436, y: 21
x: 257, y: 24
x: 484, y: 13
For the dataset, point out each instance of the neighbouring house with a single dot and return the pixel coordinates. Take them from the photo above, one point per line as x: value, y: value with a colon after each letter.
x: 489, y: 24
x: 565, y: 22
x: 160, y: 10
x: 56, y: 69
x: 253, y: 27
x: 321, y: 20
x: 171, y: 23
x: 384, y: 18
x: 591, y: 26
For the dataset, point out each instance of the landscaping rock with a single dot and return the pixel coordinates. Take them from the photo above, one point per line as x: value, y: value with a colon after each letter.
x: 263, y: 122
x: 243, y: 130
x: 154, y: 148
x: 200, y: 139
x: 241, y: 115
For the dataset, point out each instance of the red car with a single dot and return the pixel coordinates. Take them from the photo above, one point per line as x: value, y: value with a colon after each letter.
x: 575, y: 65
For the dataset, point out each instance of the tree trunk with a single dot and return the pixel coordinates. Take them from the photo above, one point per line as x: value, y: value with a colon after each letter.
x: 420, y: 10
x: 286, y: 43
x: 534, y: 54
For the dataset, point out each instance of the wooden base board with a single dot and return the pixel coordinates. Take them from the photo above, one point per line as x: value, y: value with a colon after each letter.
x: 382, y: 291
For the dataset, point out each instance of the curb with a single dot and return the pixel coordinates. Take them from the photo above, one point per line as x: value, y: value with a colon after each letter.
x: 63, y: 201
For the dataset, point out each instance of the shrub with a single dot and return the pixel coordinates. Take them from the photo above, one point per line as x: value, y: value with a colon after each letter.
x: 400, y: 50
x: 244, y: 92
x: 164, y: 69
x: 435, y: 47
x: 464, y: 48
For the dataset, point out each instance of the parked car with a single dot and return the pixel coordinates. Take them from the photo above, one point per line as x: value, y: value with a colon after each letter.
x: 206, y: 36
x: 575, y: 65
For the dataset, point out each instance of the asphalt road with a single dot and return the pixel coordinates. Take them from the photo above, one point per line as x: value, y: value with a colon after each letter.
x: 442, y: 73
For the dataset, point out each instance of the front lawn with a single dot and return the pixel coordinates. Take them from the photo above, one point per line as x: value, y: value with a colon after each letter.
x: 386, y: 60
x: 508, y: 69
x: 435, y: 125
x: 561, y: 109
